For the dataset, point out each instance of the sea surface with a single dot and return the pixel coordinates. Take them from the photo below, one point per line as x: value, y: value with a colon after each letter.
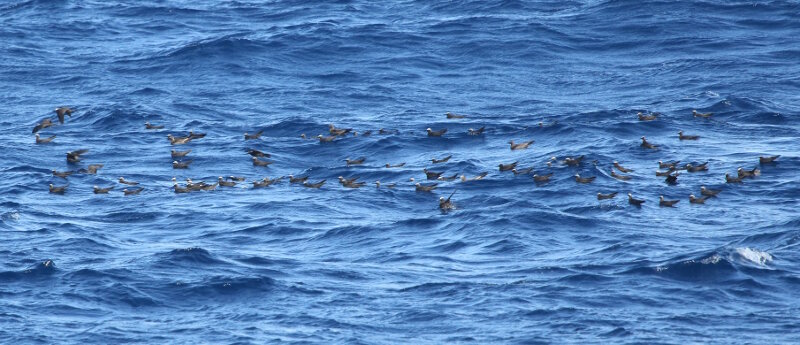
x: 516, y: 262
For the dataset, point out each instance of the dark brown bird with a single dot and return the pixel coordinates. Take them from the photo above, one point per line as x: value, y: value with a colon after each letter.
x: 454, y: 116
x: 580, y: 179
x: 42, y: 125
x: 672, y: 179
x: 709, y: 192
x: 635, y: 202
x: 668, y: 165
x: 508, y: 167
x: 619, y: 177
x: 601, y: 196
x: 730, y: 179
x: 520, y: 146
x: 573, y: 161
x: 179, y: 154
x: 255, y: 135
x: 748, y: 173
x: 448, y: 178
x: 357, y: 161
x: 432, y: 175
x: 61, y: 111
x: 446, y: 204
x: 299, y: 179
x: 643, y: 117
x: 193, y: 135
x: 390, y: 185
x: 338, y: 131
x: 59, y: 189
x: 266, y: 182
x: 132, y: 191
x: 43, y: 141
x: 209, y: 187
x: 260, y: 163
x: 476, y: 178
x: 236, y: 178
x: 344, y: 181
x: 478, y: 131
x: 647, y: 145
x: 224, y: 183
x: 327, y: 139
x: 124, y: 181
x: 395, y: 166
x: 768, y: 159
x: 542, y: 178
x: 179, y: 189
x: 439, y: 133
x: 98, y: 190
x: 703, y: 115
x: 666, y: 203
x: 445, y: 159
x: 687, y: 137
x: 522, y: 171
x: 75, y: 156
x: 425, y: 188
x: 92, y: 169
x: 384, y: 131
x: 696, y: 200
x: 692, y: 168
x: 257, y: 153
x: 664, y: 173
x: 621, y: 168
x: 314, y: 185
x: 181, y: 165
x: 148, y: 125
x: 178, y: 140
x: 63, y: 174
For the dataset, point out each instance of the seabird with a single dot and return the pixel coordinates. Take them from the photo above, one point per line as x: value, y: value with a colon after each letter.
x: 476, y: 178
x: 44, y: 141
x: 601, y: 196
x: 445, y: 204
x: 124, y: 181
x: 59, y: 189
x: 395, y: 166
x: 542, y: 178
x: 193, y: 135
x: 453, y: 116
x: 390, y: 185
x: 357, y: 161
x: 619, y: 177
x: 178, y: 140
x: 664, y: 173
x: 181, y: 165
x: 179, y: 189
x: 522, y: 171
x: 668, y: 165
x: 691, y: 168
x: 445, y: 159
x: 508, y: 167
x: 383, y: 131
x: 92, y: 168
x: 646, y: 144
x: 75, y: 156
x: 768, y: 159
x: 344, y: 181
x: 426, y: 188
x: 478, y: 131
x: 236, y: 178
x: 709, y: 192
x: 439, y: 133
x: 42, y: 125
x: 572, y: 161
x: 432, y: 175
x: 696, y: 200
x: 643, y: 117
x: 748, y: 173
x: 260, y: 163
x: 132, y: 191
x: 179, y: 154
x: 365, y: 134
x: 520, y: 146
x: 299, y: 179
x: 687, y: 137
x: 327, y: 139
x: 448, y: 178
x: 147, y: 125
x: 635, y: 202
x: 209, y: 187
x: 61, y: 111
x: 672, y: 179
x: 338, y: 131
x: 705, y: 115
x: 303, y: 135
x: 63, y: 174
x: 314, y: 185
x: 266, y: 182
x: 98, y: 190
x: 255, y: 135
x: 621, y: 168
x: 666, y: 203
x: 222, y: 182
x: 730, y: 179
x: 580, y: 179
x: 257, y: 153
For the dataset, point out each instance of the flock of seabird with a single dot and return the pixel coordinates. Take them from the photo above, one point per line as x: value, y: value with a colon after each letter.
x: 259, y: 159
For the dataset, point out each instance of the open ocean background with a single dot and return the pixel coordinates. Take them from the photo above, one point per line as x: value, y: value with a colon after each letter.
x: 515, y: 263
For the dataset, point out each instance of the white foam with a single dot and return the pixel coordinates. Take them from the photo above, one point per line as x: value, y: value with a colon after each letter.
x: 754, y: 256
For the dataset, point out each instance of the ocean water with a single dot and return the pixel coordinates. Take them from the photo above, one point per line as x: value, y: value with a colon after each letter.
x: 515, y: 262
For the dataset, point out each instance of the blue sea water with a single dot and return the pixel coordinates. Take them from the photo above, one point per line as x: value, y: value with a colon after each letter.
x: 516, y: 262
